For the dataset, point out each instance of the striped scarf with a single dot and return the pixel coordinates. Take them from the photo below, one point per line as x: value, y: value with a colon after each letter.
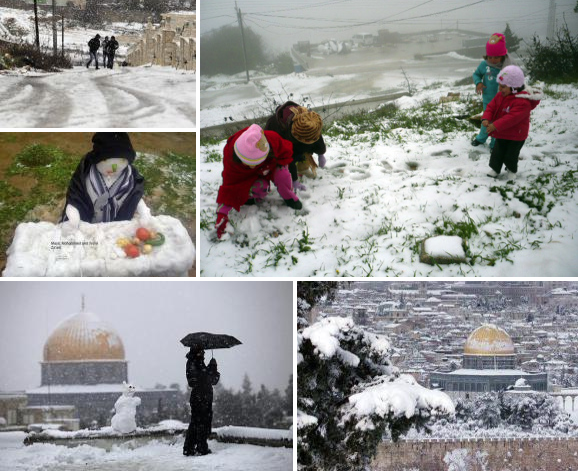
x: 107, y: 201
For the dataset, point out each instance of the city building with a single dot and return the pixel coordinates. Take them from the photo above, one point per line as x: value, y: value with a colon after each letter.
x: 488, y: 364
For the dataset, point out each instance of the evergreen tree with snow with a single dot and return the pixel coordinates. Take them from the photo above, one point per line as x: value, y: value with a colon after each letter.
x: 349, y: 395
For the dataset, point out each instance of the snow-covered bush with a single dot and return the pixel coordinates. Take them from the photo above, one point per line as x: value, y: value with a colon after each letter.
x: 350, y: 396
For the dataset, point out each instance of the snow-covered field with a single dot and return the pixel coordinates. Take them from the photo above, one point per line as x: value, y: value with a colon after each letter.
x: 387, y: 187
x: 155, y: 456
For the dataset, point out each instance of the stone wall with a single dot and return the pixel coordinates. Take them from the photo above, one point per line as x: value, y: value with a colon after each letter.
x: 172, y: 43
x: 540, y: 454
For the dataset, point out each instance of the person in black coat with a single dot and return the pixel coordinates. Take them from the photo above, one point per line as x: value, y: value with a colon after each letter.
x: 90, y: 199
x: 201, y: 379
x: 104, y: 52
x: 302, y: 128
x: 93, y: 47
x: 111, y: 51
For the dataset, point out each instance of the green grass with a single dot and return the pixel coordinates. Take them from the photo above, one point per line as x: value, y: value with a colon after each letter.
x: 364, y: 126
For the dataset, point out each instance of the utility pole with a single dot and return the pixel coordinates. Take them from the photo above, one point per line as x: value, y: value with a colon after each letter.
x: 54, y: 30
x: 36, y: 24
x: 551, y: 21
x: 240, y: 19
x: 62, y: 38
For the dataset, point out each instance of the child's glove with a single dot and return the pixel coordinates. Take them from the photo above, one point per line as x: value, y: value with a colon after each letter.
x: 221, y: 224
x: 322, y: 160
x: 297, y: 185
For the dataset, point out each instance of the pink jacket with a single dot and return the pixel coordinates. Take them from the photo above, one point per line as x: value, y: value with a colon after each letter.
x: 511, y: 114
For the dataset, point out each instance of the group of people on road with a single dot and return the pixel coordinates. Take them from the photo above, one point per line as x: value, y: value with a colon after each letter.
x: 109, y: 47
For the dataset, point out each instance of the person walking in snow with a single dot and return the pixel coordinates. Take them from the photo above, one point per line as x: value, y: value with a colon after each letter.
x: 104, y: 52
x: 485, y: 76
x: 507, y: 119
x: 302, y: 128
x: 93, y: 47
x: 111, y: 51
x: 201, y: 379
x: 252, y: 158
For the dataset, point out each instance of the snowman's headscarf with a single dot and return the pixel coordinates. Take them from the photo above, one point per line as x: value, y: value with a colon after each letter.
x: 107, y: 201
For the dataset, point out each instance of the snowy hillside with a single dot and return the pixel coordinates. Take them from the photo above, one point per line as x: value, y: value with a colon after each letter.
x: 393, y: 180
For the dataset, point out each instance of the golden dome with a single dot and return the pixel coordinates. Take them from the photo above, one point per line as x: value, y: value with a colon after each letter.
x: 83, y: 337
x: 489, y: 340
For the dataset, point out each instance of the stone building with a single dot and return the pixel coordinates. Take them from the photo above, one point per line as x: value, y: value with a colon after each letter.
x: 488, y: 364
x: 84, y: 366
x: 172, y: 43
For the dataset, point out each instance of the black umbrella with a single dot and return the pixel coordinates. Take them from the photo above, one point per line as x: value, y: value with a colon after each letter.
x: 208, y: 341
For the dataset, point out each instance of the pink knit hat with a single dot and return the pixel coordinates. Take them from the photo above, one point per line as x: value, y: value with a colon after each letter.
x: 496, y: 46
x: 511, y: 76
x: 252, y: 146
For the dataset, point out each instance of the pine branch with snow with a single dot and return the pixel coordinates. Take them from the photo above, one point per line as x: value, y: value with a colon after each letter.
x: 350, y: 396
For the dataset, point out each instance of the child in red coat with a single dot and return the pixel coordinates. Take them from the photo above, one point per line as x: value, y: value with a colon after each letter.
x: 507, y: 119
x: 251, y: 159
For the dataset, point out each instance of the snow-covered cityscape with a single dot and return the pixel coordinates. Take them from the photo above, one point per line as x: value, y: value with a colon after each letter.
x: 477, y: 374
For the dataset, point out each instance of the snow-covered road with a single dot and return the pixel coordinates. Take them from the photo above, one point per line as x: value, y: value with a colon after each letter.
x: 127, y: 97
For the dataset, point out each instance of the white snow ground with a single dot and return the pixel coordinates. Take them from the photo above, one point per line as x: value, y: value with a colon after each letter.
x: 155, y: 456
x: 367, y: 211
x: 127, y: 97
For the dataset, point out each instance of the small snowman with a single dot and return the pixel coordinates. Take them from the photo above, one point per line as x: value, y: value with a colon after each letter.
x: 124, y: 420
x: 106, y: 186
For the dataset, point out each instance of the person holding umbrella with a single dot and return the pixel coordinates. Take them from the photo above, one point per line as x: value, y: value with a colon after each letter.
x: 201, y: 379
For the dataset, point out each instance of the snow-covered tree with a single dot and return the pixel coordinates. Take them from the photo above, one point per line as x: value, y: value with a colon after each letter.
x: 486, y: 410
x: 349, y: 395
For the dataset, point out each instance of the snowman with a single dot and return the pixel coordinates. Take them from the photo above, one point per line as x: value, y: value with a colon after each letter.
x: 106, y: 186
x: 124, y: 420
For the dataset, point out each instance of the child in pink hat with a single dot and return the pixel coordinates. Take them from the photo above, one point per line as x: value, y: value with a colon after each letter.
x: 252, y: 158
x: 507, y: 119
x: 485, y: 77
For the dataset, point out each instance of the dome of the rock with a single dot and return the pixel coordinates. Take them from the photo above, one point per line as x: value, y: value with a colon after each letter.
x: 489, y: 340
x: 83, y: 337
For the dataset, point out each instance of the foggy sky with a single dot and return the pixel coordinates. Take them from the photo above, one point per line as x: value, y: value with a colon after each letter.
x: 151, y: 317
x: 283, y: 23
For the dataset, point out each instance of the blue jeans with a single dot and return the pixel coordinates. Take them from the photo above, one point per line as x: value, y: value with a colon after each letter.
x: 92, y: 56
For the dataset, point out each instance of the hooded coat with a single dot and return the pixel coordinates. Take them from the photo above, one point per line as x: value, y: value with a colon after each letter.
x: 510, y: 114
x: 239, y: 178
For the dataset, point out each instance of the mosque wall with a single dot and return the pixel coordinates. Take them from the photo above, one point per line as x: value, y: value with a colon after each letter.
x: 84, y: 372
